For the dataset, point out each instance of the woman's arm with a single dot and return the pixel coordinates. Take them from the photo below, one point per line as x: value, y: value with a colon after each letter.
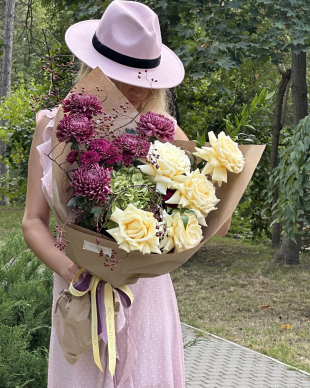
x: 37, y: 215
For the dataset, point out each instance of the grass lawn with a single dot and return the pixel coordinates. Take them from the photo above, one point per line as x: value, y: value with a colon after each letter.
x: 233, y: 290
x: 10, y: 218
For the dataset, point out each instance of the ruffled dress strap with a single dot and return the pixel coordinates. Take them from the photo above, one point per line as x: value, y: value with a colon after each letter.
x: 44, y: 149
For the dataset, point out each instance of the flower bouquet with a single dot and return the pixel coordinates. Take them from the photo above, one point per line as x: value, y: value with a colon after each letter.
x: 97, y: 187
x: 129, y: 201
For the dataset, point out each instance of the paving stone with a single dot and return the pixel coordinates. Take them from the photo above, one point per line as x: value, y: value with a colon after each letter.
x: 216, y: 363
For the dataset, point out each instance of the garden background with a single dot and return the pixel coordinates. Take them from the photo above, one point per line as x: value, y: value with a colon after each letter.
x: 250, y: 287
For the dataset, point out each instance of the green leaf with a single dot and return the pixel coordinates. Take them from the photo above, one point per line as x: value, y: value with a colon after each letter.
x: 269, y: 96
x: 79, y: 200
x: 234, y: 132
x: 200, y: 140
x: 191, y: 212
x: 111, y: 224
x: 229, y: 126
x: 253, y: 103
x: 262, y: 97
x: 185, y: 220
x: 75, y: 146
x: 175, y: 211
x: 203, y: 139
x: 197, y: 75
x: 244, y: 111
x: 96, y: 211
x: 223, y: 89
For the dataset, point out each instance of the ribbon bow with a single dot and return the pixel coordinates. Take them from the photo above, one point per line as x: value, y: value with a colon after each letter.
x: 83, y: 282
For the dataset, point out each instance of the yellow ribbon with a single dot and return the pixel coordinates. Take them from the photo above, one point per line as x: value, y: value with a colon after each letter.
x: 109, y: 315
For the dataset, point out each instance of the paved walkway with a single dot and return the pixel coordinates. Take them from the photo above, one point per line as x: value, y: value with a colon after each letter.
x: 212, y: 362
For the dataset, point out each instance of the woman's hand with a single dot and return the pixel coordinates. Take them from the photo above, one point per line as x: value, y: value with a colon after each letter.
x: 69, y: 272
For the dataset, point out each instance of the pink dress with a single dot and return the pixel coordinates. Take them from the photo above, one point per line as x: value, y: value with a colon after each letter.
x: 149, y: 338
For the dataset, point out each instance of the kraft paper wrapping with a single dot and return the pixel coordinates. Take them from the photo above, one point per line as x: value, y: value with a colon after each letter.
x: 71, y: 320
x: 137, y: 265
x: 72, y: 325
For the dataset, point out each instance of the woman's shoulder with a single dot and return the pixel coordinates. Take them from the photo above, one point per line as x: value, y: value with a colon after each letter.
x: 46, y: 114
x: 179, y: 134
x: 45, y: 122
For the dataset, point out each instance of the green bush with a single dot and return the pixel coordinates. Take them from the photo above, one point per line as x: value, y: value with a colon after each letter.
x: 291, y: 176
x: 25, y: 315
x: 17, y: 134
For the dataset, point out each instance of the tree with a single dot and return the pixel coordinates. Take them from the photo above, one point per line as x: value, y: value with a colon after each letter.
x: 277, y: 126
x: 6, y: 69
x: 7, y: 48
x: 290, y: 246
x: 291, y: 176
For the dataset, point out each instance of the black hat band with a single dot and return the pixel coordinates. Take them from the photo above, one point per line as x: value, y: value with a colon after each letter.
x: 124, y: 59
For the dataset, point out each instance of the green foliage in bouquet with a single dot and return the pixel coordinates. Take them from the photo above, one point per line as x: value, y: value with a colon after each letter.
x: 136, y: 188
x: 234, y: 127
x: 184, y: 214
x: 243, y: 122
x: 25, y: 316
x: 128, y: 186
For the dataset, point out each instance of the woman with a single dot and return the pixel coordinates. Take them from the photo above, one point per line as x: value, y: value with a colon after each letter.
x: 149, y: 341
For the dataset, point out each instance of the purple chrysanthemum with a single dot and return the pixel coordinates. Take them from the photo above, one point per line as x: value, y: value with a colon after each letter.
x: 131, y: 146
x: 126, y: 142
x: 112, y: 156
x: 92, y: 181
x: 109, y: 154
x: 74, y: 128
x: 142, y: 149
x: 90, y: 157
x: 127, y: 158
x: 87, y: 104
x: 154, y: 124
x: 72, y: 156
x: 99, y: 145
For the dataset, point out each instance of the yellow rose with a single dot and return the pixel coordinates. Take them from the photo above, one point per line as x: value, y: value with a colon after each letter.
x: 223, y: 155
x: 195, y: 192
x: 136, y: 231
x: 172, y: 162
x: 177, y: 236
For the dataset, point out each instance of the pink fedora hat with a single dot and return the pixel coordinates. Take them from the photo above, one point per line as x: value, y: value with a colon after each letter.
x: 126, y: 41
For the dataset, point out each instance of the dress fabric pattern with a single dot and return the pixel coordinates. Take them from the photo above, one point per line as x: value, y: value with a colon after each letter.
x: 148, y: 340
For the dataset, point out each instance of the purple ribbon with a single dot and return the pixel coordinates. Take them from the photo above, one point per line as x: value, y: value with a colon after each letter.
x: 82, y: 284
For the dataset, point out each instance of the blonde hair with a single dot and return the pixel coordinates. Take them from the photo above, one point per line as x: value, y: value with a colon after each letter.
x: 158, y: 101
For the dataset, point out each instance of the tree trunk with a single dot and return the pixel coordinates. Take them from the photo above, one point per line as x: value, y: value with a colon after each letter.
x: 289, y: 251
x: 277, y: 126
x: 8, y: 48
x: 6, y: 70
x: 299, y: 87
